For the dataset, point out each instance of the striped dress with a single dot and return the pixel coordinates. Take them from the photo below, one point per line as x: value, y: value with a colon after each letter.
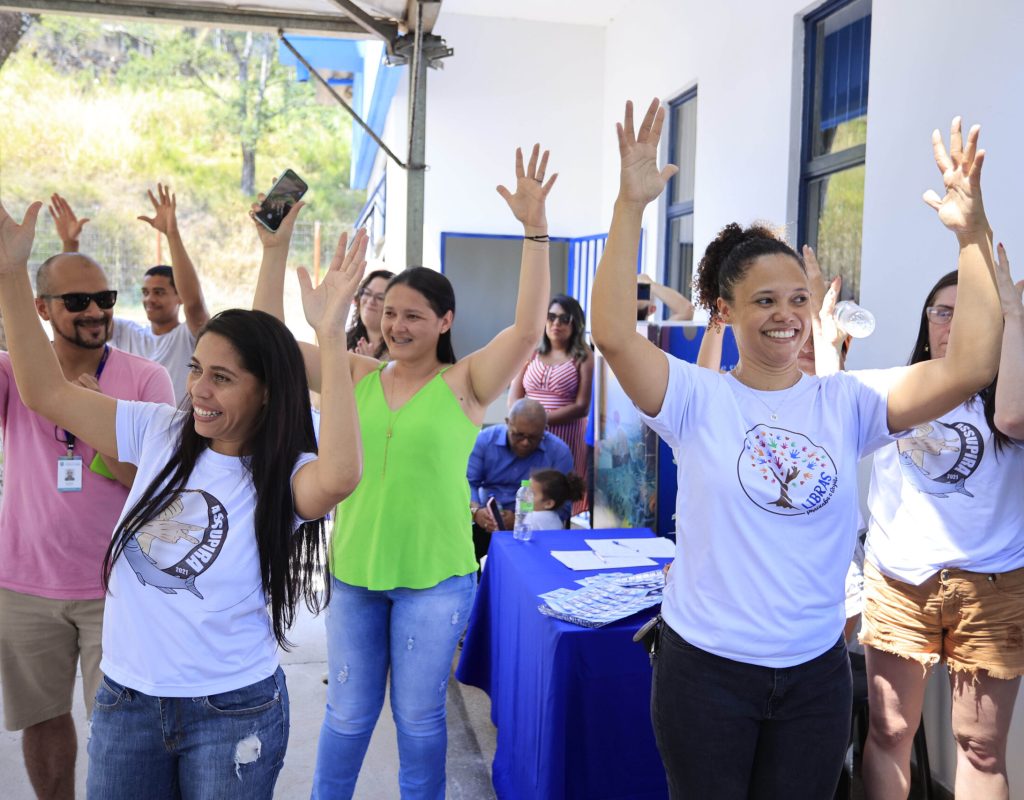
x: 553, y: 387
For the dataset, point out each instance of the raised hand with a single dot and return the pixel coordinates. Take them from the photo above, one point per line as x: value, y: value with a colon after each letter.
x: 16, y: 240
x: 363, y: 348
x: 326, y: 307
x: 69, y: 227
x: 828, y: 336
x: 640, y: 180
x: 531, y: 191
x: 1010, y: 294
x: 283, y: 235
x: 165, y: 207
x: 815, y: 279
x: 961, y: 209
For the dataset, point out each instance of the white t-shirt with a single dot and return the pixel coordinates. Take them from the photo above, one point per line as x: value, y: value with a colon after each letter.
x: 173, y: 350
x: 766, y: 511
x: 545, y: 521
x: 186, y: 615
x: 943, y: 496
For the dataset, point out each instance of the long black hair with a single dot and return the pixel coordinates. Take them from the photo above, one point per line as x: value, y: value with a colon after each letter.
x: 357, y: 328
x: 577, y: 341
x: 922, y: 352
x: 289, y: 559
x: 440, y: 296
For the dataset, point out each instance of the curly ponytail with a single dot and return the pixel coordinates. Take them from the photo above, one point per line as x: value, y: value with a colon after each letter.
x: 727, y: 259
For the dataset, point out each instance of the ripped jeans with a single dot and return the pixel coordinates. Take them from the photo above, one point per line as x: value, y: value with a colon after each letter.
x: 227, y: 746
x: 413, y: 632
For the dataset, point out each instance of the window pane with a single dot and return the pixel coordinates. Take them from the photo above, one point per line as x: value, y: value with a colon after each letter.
x: 842, y: 44
x: 684, y: 132
x: 835, y: 208
x: 679, y: 269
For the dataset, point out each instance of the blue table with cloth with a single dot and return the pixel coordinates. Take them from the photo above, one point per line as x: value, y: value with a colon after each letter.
x: 571, y: 704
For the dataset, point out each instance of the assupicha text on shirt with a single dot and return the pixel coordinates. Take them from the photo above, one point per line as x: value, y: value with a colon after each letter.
x: 169, y: 552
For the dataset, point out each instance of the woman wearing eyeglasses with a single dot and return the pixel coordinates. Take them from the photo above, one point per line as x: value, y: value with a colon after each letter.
x: 559, y: 377
x: 944, y: 572
x: 363, y: 335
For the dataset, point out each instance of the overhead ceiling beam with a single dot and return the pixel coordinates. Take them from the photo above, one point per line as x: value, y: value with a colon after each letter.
x: 387, y: 32
x: 215, y: 16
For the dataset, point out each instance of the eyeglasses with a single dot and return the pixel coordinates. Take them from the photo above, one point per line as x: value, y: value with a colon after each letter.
x: 565, y: 319
x: 524, y: 437
x: 940, y: 315
x: 79, y: 301
x: 366, y: 294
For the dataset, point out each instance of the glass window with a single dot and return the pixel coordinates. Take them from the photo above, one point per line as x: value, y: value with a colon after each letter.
x: 682, y: 151
x: 837, y: 59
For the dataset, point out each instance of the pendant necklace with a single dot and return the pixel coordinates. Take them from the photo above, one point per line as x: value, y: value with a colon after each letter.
x: 392, y: 416
x: 773, y: 413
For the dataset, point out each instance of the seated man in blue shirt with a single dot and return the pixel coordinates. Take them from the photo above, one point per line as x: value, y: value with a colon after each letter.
x: 503, y: 457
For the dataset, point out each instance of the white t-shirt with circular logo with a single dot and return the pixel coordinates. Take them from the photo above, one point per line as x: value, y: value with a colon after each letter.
x: 766, y: 512
x: 944, y: 496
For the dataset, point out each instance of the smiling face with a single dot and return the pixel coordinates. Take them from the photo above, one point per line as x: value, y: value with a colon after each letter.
x: 559, y: 326
x: 770, y: 313
x: 938, y: 332
x: 227, y: 399
x: 89, y: 328
x: 371, y: 304
x: 410, y: 326
x: 160, y: 300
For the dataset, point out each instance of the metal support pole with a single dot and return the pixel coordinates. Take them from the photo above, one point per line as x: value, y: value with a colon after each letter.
x: 416, y: 173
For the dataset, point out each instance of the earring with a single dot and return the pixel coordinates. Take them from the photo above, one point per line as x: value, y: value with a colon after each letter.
x: 926, y: 348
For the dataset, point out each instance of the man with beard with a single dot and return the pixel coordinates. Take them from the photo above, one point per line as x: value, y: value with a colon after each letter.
x: 61, y: 501
x: 165, y: 290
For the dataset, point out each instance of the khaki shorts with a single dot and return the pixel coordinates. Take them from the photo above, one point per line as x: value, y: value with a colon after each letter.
x: 40, y: 644
x: 970, y: 620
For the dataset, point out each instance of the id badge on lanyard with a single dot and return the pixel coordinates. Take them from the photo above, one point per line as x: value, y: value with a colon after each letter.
x: 69, y: 466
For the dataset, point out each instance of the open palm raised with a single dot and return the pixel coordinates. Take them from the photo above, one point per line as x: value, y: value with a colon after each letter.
x: 528, y: 202
x: 16, y: 240
x: 640, y: 180
x: 326, y: 306
x: 961, y: 210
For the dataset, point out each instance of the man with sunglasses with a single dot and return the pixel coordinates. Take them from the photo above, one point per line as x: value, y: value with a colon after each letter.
x: 503, y: 457
x: 165, y: 290
x: 61, y: 501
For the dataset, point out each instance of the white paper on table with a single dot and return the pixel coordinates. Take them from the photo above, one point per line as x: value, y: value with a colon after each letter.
x: 588, y: 559
x: 650, y: 546
x: 610, y: 548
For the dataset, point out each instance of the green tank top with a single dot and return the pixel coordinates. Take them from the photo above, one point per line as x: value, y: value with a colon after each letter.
x: 408, y: 522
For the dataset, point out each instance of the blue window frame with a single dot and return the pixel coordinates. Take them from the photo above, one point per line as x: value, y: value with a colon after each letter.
x: 677, y: 272
x: 837, y: 47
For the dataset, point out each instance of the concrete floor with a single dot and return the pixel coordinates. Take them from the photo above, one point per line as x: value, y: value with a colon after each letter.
x: 471, y: 736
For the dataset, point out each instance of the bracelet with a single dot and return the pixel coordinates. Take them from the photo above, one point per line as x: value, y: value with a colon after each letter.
x: 543, y: 238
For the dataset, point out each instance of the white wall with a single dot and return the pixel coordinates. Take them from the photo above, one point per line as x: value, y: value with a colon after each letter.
x: 510, y: 83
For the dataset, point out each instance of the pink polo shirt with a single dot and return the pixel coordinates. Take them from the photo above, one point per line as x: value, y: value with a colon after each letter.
x: 52, y: 543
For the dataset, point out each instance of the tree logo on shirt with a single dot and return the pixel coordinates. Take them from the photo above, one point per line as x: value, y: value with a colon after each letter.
x: 168, y: 553
x: 785, y: 472
x: 938, y: 458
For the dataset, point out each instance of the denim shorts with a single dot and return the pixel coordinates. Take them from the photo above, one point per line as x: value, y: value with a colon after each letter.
x: 970, y: 620
x: 227, y: 746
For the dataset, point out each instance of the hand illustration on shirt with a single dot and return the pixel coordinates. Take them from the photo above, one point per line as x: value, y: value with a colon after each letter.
x: 167, y: 529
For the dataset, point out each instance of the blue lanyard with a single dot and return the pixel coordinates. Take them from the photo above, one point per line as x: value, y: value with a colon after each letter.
x: 69, y: 437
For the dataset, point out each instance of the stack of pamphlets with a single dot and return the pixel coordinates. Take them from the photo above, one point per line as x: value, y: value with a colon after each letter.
x: 604, y: 598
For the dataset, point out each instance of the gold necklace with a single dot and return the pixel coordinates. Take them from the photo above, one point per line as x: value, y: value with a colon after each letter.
x: 773, y: 413
x: 393, y: 414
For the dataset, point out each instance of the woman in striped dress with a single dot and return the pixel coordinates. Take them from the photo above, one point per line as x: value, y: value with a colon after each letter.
x: 559, y: 377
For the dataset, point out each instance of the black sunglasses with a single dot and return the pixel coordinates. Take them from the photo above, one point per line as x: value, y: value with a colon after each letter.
x: 79, y: 301
x: 565, y: 319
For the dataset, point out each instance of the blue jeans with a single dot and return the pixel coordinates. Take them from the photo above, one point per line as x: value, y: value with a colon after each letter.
x: 413, y: 632
x: 735, y: 731
x: 227, y: 746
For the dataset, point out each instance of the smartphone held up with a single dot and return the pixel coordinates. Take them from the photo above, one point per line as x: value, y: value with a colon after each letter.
x: 285, y: 193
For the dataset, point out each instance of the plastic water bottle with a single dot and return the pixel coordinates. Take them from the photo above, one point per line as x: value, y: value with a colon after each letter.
x: 522, y: 531
x: 854, y: 320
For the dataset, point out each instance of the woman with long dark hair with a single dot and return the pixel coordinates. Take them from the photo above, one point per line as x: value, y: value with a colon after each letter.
x: 363, y: 335
x: 403, y: 564
x: 944, y: 571
x: 559, y: 377
x: 751, y: 692
x: 225, y: 518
